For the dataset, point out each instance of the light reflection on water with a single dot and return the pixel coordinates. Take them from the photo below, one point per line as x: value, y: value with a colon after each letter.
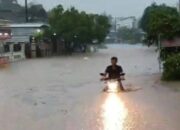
x: 113, y: 113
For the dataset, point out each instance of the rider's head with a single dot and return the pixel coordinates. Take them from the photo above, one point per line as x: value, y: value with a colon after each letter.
x: 114, y: 60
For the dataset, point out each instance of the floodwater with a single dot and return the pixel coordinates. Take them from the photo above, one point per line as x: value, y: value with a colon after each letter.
x: 64, y: 93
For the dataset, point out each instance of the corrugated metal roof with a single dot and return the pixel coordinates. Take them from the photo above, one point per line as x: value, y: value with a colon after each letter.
x: 27, y: 25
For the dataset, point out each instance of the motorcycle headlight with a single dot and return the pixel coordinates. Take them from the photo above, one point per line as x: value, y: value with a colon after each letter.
x: 113, y: 86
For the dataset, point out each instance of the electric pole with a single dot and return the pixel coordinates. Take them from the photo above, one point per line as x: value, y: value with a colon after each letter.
x: 26, y: 11
x: 179, y: 5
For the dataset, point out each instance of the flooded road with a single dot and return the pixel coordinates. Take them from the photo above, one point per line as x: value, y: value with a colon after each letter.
x: 64, y: 93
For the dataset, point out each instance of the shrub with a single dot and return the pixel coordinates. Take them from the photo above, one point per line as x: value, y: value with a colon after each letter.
x: 172, y: 68
x: 167, y: 52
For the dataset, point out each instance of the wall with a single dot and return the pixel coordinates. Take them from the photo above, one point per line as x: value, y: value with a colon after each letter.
x: 13, y: 55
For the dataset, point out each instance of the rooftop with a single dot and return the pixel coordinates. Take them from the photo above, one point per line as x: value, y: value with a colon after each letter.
x: 28, y: 25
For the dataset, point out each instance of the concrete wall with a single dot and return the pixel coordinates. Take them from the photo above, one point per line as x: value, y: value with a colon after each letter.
x: 12, y: 55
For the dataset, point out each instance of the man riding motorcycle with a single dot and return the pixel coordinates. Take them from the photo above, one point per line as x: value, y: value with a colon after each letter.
x: 114, y: 71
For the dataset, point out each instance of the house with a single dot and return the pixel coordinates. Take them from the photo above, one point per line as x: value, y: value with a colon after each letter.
x: 22, y: 32
x: 14, y: 48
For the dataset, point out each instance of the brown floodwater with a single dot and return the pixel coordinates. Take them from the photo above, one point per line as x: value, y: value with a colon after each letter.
x: 64, y: 93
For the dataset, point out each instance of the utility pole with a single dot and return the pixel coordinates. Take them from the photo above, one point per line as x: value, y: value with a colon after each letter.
x: 179, y: 5
x: 115, y: 25
x: 116, y: 36
x: 26, y: 11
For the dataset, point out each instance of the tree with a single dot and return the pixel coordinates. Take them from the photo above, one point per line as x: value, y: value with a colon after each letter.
x: 160, y: 20
x: 78, y: 28
x: 101, y: 27
x: 37, y: 13
x: 172, y: 68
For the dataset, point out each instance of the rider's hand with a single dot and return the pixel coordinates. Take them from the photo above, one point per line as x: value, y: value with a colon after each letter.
x: 122, y: 78
x: 103, y: 78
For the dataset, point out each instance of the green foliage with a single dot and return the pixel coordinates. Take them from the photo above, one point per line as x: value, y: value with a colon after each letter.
x: 37, y: 13
x: 39, y: 36
x: 160, y: 20
x: 172, y: 68
x: 78, y: 27
x: 167, y: 52
x: 101, y: 27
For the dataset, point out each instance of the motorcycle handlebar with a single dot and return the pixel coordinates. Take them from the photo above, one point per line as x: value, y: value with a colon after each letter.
x: 105, y: 78
x: 103, y: 74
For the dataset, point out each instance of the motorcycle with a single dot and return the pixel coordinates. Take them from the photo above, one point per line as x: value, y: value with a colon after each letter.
x: 112, y: 85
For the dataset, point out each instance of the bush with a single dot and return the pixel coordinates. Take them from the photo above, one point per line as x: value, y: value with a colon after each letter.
x: 167, y: 52
x: 172, y: 68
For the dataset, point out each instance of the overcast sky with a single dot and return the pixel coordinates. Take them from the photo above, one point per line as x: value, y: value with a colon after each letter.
x: 113, y: 7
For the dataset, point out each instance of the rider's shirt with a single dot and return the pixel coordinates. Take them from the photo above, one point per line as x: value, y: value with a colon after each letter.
x: 114, y: 73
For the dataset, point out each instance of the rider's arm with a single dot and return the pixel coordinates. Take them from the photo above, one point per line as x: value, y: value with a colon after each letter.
x: 121, y: 73
x: 106, y: 72
x: 120, y: 69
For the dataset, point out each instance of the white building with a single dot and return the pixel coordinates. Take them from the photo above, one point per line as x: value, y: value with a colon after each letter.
x: 14, y: 48
x: 12, y: 51
x: 22, y: 32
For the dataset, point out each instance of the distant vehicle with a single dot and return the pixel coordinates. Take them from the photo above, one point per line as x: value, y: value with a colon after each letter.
x: 5, y: 34
x: 5, y: 31
x: 4, y: 60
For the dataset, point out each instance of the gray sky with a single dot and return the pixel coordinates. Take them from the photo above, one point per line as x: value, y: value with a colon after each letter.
x: 113, y: 7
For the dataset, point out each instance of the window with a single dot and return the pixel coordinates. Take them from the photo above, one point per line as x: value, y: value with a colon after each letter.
x: 17, y: 47
x: 6, y: 48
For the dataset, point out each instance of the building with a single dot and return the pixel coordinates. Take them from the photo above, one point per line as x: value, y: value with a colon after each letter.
x: 14, y: 48
x: 8, y: 1
x: 5, y: 33
x: 11, y: 10
x: 22, y: 32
